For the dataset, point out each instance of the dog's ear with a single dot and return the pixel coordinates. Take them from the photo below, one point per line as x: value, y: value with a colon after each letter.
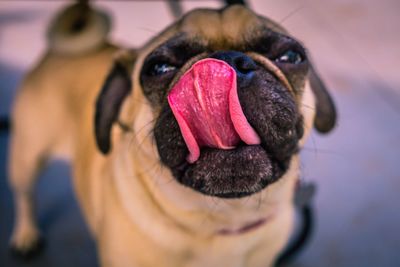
x: 116, y: 88
x: 325, y: 118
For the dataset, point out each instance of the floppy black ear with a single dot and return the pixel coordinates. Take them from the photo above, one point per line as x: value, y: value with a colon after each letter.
x: 325, y: 118
x: 116, y: 88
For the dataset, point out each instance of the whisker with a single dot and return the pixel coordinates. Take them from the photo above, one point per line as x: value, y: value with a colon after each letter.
x: 314, y: 145
x: 147, y: 29
x: 293, y: 12
x: 135, y: 134
x: 322, y: 151
x: 259, y: 201
x: 308, y: 106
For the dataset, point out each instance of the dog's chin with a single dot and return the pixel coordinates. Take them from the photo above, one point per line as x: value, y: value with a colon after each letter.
x: 235, y: 173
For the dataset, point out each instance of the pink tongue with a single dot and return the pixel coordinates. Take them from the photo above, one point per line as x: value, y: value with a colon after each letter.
x: 206, y: 105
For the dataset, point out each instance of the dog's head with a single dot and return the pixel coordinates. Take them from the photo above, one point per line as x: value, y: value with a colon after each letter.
x: 227, y: 95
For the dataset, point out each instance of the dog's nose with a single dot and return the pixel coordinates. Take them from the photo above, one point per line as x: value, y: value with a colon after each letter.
x: 243, y: 64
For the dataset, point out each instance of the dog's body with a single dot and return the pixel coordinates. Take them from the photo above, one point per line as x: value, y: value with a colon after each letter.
x: 137, y: 212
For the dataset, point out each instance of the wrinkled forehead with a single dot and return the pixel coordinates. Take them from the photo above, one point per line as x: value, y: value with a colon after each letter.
x: 231, y: 28
x: 235, y: 27
x: 202, y: 30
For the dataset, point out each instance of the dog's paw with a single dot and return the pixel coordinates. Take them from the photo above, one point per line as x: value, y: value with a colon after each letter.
x: 26, y: 243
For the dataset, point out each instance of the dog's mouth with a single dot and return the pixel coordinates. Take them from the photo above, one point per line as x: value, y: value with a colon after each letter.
x: 232, y: 173
x: 213, y: 144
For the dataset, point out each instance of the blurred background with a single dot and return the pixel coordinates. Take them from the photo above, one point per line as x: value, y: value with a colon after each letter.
x: 355, y: 45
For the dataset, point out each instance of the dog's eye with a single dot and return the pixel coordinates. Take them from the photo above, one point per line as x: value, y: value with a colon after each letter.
x: 161, y: 68
x: 291, y: 57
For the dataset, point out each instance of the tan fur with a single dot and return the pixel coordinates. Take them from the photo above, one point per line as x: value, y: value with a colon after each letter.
x: 138, y: 214
x: 89, y: 29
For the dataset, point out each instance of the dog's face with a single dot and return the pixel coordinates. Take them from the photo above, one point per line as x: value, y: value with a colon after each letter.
x: 272, y: 73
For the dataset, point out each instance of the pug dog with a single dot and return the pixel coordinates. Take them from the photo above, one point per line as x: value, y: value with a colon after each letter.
x: 185, y: 152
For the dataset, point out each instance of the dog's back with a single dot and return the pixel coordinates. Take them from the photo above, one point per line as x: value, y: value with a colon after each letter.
x: 54, y: 102
x: 46, y: 109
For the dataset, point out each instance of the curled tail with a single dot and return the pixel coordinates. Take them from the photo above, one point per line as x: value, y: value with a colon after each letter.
x: 77, y: 29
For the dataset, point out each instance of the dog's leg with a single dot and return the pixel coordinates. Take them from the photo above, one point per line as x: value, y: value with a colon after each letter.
x: 26, y: 157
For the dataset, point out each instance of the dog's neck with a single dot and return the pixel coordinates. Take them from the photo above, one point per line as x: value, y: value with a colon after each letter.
x: 178, y: 214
